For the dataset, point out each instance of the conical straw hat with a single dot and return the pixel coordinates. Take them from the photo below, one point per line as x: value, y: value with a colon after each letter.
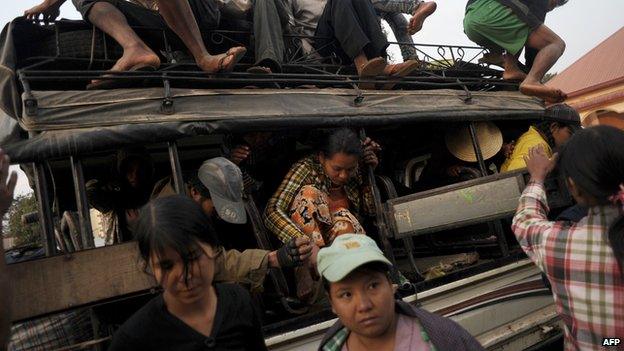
x: 459, y: 143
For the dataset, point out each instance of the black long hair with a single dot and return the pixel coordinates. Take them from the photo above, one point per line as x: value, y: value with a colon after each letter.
x: 544, y: 129
x: 175, y: 222
x: 594, y: 159
x: 343, y: 140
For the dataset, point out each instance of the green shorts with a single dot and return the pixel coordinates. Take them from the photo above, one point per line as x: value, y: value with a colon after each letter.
x: 495, y: 26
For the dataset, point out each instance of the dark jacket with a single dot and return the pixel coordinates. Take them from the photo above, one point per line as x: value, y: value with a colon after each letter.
x: 444, y: 333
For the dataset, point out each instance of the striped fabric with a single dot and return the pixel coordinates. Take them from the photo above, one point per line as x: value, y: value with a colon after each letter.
x: 586, y: 281
x: 396, y: 6
x: 308, y: 171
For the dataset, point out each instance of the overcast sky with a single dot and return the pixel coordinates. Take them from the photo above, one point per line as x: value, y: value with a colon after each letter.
x: 583, y: 24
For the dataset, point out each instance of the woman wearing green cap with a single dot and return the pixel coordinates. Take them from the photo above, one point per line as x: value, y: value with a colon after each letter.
x: 355, y: 275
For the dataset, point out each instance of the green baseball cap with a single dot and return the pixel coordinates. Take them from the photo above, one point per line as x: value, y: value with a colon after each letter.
x: 346, y: 253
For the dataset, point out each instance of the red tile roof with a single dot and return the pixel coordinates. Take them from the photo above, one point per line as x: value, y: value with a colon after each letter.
x: 602, y: 64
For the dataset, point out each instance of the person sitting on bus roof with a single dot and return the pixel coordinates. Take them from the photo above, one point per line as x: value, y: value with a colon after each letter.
x: 270, y: 18
x: 392, y: 12
x: 355, y: 275
x: 509, y: 25
x: 551, y: 135
x: 322, y: 196
x: 584, y: 261
x: 217, y: 187
x: 187, y: 18
x: 350, y: 30
x: 178, y: 247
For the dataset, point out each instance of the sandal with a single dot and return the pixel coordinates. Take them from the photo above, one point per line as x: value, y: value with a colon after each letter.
x: 371, y: 69
x: 237, y: 54
x: 399, y: 70
x: 107, y: 84
x: 259, y: 70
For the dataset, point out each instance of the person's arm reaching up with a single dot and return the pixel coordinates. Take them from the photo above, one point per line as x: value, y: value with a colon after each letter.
x: 49, y: 10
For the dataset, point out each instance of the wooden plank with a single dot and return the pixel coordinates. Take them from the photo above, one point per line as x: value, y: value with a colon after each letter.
x: 61, y: 282
x: 467, y: 203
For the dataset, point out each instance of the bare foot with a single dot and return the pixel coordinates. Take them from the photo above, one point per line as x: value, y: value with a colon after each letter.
x: 135, y: 57
x: 492, y: 58
x: 419, y: 16
x: 550, y: 95
x: 516, y: 75
x: 512, y: 71
x: 223, y: 62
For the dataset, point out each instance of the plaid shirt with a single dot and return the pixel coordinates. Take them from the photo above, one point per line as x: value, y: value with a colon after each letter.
x: 308, y: 171
x: 586, y: 281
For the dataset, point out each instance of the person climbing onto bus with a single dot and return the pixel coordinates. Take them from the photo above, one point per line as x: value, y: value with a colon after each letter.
x: 355, y: 275
x: 509, y: 25
x: 187, y: 18
x: 351, y: 31
x: 178, y: 247
x: 217, y: 187
x: 551, y: 135
x: 322, y: 196
x: 583, y: 261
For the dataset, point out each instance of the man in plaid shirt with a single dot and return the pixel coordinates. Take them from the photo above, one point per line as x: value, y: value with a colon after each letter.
x: 579, y: 259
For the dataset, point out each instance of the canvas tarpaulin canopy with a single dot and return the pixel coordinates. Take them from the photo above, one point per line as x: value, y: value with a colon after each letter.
x: 79, y: 109
x: 80, y: 122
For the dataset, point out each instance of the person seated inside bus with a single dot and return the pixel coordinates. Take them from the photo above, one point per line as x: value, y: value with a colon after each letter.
x: 456, y: 160
x: 187, y: 18
x: 322, y: 197
x: 217, y: 187
x: 263, y: 158
x: 551, y: 135
x: 584, y: 261
x: 508, y: 26
x: 350, y: 31
x: 355, y: 275
x: 393, y: 11
x: 178, y: 247
x: 8, y: 181
x: 119, y: 196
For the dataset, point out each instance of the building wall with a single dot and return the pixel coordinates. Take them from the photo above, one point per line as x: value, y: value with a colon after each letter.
x: 612, y: 119
x: 601, y: 106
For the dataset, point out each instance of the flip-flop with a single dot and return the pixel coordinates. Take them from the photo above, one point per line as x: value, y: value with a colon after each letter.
x: 371, y: 69
x: 404, y: 69
x: 237, y: 54
x: 107, y: 84
x: 259, y: 70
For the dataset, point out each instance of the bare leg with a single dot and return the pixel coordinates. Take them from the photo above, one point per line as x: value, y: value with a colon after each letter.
x: 512, y: 71
x: 424, y: 10
x: 550, y: 47
x: 179, y: 17
x: 110, y: 20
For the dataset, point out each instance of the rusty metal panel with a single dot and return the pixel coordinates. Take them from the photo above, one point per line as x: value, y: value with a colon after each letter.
x: 467, y: 204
